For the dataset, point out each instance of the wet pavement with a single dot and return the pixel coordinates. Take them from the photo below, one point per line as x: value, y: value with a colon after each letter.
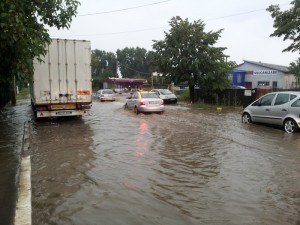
x: 12, y: 121
x: 187, y: 166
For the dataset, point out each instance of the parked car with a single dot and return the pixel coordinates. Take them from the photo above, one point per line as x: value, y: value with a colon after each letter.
x: 105, y: 95
x: 275, y: 108
x: 166, y: 95
x: 144, y: 101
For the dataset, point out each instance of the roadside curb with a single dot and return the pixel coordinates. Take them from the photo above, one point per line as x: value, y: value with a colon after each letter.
x: 23, y: 206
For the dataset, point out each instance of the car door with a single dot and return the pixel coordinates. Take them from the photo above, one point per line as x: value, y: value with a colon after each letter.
x: 260, y: 110
x: 280, y: 108
x: 132, y: 101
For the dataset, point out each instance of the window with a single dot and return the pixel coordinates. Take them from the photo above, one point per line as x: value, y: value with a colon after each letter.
x: 239, y: 78
x: 296, y: 103
x: 282, y: 99
x: 274, y: 84
x: 292, y: 97
x: 134, y: 96
x: 263, y: 83
x: 267, y: 100
x: 149, y: 95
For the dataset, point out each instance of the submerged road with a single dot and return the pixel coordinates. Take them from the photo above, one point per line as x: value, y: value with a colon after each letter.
x: 187, y: 166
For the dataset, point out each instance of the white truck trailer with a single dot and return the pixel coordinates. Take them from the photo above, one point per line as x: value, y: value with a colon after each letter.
x: 62, y: 83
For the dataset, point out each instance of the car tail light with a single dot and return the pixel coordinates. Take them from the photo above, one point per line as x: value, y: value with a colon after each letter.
x: 161, y: 102
x: 142, y: 103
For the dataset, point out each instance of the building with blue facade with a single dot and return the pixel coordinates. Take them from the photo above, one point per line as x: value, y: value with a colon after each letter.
x: 252, y: 74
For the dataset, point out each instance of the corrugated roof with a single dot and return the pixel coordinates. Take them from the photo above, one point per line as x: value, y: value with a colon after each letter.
x: 284, y: 69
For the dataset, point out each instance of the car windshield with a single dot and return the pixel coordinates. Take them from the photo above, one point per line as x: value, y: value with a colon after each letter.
x: 107, y: 92
x: 149, y: 95
x: 166, y: 92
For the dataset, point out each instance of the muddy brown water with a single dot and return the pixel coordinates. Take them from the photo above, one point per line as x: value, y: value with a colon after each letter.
x: 183, y: 167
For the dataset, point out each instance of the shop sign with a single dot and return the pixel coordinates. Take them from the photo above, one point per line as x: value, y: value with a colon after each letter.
x: 265, y: 72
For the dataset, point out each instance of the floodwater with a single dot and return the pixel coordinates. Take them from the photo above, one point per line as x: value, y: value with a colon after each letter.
x: 183, y: 167
x: 12, y: 121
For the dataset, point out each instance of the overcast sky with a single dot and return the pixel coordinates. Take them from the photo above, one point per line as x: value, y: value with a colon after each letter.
x: 116, y: 24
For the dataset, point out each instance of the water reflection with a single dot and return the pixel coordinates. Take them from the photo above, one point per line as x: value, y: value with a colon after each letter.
x: 61, y: 158
x: 142, y: 139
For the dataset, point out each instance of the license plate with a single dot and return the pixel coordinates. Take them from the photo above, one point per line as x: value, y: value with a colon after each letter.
x: 64, y: 113
x: 152, y: 102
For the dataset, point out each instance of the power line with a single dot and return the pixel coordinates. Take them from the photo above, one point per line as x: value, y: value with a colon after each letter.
x: 125, y: 9
x: 157, y: 28
x: 134, y: 69
x: 240, y: 14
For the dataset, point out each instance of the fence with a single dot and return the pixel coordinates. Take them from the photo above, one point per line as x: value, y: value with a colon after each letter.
x: 228, y: 97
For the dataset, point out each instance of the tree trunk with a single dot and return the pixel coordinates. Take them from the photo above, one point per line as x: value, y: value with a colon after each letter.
x: 192, y: 93
x: 13, y: 92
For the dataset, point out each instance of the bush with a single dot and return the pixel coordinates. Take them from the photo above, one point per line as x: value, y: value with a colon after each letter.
x: 183, y: 95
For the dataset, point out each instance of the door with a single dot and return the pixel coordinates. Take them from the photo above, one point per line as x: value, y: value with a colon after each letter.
x: 280, y: 108
x: 261, y: 109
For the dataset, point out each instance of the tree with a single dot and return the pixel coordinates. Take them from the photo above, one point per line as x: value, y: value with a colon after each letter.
x: 134, y: 62
x: 187, y: 54
x: 24, y: 35
x: 104, y: 64
x: 294, y: 68
x: 287, y: 24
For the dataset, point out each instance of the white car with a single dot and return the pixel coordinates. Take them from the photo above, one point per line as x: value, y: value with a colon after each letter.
x: 166, y: 95
x: 105, y: 95
x: 275, y: 108
x: 144, y: 101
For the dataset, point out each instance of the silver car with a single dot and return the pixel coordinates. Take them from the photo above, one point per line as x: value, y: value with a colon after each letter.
x: 166, y: 95
x: 275, y: 108
x: 105, y: 95
x: 144, y: 101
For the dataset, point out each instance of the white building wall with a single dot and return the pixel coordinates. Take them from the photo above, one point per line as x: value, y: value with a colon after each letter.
x: 264, y: 74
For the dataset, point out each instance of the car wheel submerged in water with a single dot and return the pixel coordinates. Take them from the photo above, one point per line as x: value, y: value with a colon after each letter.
x: 246, y: 118
x: 136, y: 110
x: 290, y: 126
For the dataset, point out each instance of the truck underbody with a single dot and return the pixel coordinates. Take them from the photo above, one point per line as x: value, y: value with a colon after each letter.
x: 62, y: 109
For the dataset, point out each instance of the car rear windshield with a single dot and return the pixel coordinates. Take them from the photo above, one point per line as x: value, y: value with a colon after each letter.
x: 149, y: 95
x: 166, y: 92
x: 107, y: 92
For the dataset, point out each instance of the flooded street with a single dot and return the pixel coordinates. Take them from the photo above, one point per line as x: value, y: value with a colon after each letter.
x: 12, y: 121
x: 187, y: 166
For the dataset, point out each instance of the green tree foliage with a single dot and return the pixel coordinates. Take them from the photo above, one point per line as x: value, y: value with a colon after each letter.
x: 24, y: 34
x: 187, y: 54
x: 287, y: 24
x: 134, y: 62
x: 294, y: 68
x: 104, y: 64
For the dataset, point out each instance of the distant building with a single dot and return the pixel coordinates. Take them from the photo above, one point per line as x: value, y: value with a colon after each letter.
x: 120, y: 84
x: 255, y: 74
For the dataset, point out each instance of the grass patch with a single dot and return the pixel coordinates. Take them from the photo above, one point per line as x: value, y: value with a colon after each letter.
x: 23, y: 94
